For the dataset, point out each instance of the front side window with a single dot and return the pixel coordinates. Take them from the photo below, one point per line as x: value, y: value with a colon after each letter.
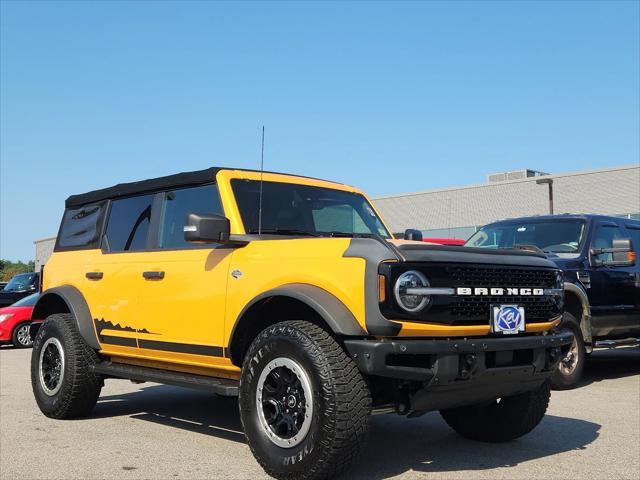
x: 128, y: 224
x: 634, y: 233
x: 604, y: 237
x: 177, y: 204
x: 81, y: 227
x: 294, y: 209
x: 561, y: 237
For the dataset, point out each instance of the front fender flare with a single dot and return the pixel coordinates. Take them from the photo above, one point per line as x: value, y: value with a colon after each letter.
x: 585, y: 323
x: 334, y: 313
x: 68, y: 299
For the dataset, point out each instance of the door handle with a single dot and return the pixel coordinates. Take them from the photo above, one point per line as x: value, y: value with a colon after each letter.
x: 94, y: 275
x: 153, y: 275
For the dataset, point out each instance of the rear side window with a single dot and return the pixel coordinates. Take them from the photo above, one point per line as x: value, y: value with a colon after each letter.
x: 128, y: 223
x: 81, y: 227
x: 177, y: 204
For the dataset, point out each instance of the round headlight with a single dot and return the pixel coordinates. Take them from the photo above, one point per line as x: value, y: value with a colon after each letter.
x: 410, y: 302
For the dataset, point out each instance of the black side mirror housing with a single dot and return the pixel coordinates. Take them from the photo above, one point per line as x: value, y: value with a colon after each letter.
x: 622, y: 254
x: 206, y: 228
x: 413, y: 234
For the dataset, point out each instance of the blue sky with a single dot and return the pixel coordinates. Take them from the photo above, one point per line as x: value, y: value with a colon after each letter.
x: 391, y: 97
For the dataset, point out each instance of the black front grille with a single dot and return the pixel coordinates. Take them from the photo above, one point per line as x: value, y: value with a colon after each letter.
x: 480, y: 276
x: 479, y: 308
x: 474, y: 308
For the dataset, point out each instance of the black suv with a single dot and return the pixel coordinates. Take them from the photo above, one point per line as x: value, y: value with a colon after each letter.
x: 599, y: 257
x: 19, y: 287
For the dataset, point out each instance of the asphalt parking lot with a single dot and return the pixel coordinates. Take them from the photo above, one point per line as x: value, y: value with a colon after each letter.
x: 155, y: 431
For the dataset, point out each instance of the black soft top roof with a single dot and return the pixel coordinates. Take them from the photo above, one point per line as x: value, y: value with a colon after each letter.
x: 183, y: 179
x: 124, y: 189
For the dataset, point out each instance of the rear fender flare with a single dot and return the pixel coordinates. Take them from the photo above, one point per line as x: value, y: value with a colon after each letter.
x: 68, y: 299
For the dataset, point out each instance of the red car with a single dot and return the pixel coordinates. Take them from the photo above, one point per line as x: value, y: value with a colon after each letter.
x: 445, y: 241
x: 15, y: 322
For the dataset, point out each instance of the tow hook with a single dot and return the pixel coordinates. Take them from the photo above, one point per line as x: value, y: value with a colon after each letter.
x: 468, y: 365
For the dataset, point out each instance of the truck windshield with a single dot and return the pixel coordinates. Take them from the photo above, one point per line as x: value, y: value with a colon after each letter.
x: 562, y: 237
x: 21, y: 282
x: 294, y: 209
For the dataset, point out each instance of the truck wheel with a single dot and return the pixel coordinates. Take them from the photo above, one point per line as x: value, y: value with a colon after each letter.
x: 20, y: 337
x: 63, y: 385
x: 570, y: 368
x: 304, y: 404
x: 501, y: 420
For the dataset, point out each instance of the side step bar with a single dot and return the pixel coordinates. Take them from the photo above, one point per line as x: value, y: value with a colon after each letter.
x: 220, y: 386
x: 626, y: 342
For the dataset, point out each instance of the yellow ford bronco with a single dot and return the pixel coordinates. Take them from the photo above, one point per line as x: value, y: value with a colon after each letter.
x: 292, y: 294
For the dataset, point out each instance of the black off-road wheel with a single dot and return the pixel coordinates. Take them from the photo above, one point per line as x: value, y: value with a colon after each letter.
x: 62, y: 381
x: 571, y: 366
x: 304, y: 404
x: 20, y: 337
x: 501, y: 420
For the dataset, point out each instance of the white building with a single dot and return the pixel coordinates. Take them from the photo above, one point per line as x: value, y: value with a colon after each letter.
x: 44, y: 249
x: 457, y: 212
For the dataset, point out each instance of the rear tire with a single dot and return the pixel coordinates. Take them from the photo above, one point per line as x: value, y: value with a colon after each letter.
x: 508, y: 419
x: 61, y: 377
x: 570, y: 368
x: 20, y: 337
x: 304, y: 404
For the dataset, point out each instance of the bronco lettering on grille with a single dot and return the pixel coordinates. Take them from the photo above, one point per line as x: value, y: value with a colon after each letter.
x: 494, y: 291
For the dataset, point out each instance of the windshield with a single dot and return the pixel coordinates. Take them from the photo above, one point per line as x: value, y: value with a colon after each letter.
x: 29, y: 301
x: 555, y: 237
x: 293, y: 209
x: 21, y: 282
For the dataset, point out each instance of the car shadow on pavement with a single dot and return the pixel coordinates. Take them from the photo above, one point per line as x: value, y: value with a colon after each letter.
x: 191, y: 410
x: 398, y: 445
x: 611, y: 364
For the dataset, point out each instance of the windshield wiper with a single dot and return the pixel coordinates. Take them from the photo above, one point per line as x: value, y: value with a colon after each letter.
x: 284, y: 231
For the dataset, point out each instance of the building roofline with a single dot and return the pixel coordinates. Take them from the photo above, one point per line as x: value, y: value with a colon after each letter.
x: 44, y: 239
x: 509, y: 182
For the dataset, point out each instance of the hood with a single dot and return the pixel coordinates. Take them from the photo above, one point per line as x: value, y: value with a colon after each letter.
x: 423, y: 252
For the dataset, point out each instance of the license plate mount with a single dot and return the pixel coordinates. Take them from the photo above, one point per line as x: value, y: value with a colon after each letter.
x: 507, y: 319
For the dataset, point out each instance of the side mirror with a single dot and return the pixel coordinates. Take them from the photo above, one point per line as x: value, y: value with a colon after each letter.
x: 206, y: 228
x: 622, y: 254
x: 413, y: 234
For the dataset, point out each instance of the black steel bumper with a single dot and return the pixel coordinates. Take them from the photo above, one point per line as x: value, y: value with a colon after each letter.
x: 456, y: 372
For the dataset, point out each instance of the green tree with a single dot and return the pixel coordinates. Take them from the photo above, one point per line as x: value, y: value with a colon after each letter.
x: 9, y: 269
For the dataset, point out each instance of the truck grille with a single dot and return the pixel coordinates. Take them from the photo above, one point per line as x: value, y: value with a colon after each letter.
x: 479, y: 308
x: 479, y: 276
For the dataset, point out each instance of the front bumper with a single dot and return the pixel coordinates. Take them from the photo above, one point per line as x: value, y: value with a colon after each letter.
x: 456, y: 372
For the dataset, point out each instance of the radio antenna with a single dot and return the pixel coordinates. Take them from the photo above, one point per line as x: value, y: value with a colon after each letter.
x: 261, y: 174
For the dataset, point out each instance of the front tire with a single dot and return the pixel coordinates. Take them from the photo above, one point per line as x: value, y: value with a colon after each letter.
x: 570, y: 368
x: 20, y: 337
x: 63, y: 384
x: 304, y: 404
x: 500, y: 421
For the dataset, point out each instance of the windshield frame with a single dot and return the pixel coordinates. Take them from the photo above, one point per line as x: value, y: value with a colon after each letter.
x: 514, y: 224
x: 306, y: 233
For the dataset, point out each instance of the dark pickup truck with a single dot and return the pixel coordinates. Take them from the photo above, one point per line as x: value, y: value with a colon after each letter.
x: 19, y: 287
x: 599, y: 257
